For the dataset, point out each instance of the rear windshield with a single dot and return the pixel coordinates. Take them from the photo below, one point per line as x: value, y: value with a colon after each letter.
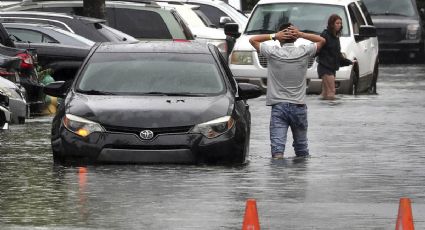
x: 151, y: 73
x: 307, y: 17
x: 390, y: 7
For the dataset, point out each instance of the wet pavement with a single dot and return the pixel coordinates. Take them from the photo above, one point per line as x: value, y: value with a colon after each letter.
x: 367, y: 152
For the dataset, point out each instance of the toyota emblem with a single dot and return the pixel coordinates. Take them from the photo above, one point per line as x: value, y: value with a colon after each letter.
x: 146, y: 134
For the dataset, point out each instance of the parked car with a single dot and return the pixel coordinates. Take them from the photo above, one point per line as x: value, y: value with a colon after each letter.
x: 44, y: 33
x: 7, y: 2
x: 17, y: 105
x: 140, y: 20
x: 91, y: 28
x: 62, y: 59
x: 399, y: 27
x: 358, y: 41
x: 200, y: 30
x: 4, y: 111
x: 174, y: 102
x: 218, y: 12
x: 20, y: 78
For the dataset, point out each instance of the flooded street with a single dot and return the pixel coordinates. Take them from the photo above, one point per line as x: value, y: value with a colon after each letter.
x: 367, y: 152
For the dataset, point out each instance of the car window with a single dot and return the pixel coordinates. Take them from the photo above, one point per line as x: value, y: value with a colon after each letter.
x: 356, y: 18
x: 185, y: 29
x: 365, y: 13
x: 25, y: 35
x: 68, y: 10
x: 141, y: 24
x: 213, y: 14
x: 141, y: 73
x: 307, y: 17
x: 391, y: 7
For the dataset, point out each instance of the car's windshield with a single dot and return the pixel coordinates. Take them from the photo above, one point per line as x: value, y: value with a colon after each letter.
x: 307, y: 17
x: 390, y: 7
x: 151, y: 73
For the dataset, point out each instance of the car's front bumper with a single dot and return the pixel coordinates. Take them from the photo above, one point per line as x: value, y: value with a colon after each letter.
x: 403, y: 46
x: 164, y: 148
x: 257, y: 75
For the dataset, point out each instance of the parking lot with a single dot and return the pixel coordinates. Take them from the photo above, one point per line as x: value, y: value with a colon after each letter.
x: 367, y: 152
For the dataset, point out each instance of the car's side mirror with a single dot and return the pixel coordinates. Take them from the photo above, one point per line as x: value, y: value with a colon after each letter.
x: 224, y: 20
x: 248, y: 91
x: 56, y: 89
x: 365, y: 32
x: 232, y: 30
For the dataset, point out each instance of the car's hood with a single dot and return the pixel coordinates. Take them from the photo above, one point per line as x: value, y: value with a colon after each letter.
x: 208, y: 33
x: 384, y: 21
x: 148, y: 111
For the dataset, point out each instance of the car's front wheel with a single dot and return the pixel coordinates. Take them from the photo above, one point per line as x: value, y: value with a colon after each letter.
x: 372, y: 87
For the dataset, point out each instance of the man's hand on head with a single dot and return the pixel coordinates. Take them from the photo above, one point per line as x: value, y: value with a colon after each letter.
x: 285, y: 34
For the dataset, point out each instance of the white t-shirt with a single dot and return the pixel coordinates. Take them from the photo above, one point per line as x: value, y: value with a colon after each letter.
x: 286, y: 71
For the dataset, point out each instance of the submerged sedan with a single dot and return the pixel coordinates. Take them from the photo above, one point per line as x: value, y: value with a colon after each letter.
x: 152, y: 102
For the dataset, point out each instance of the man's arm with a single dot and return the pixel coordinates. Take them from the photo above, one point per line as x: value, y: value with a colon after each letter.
x: 320, y: 41
x: 257, y: 39
x: 280, y: 36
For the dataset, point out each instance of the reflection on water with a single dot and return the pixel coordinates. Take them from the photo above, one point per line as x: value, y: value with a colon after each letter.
x: 366, y: 152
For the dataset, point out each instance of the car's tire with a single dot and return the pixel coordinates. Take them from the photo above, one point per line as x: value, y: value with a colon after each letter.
x: 21, y: 120
x: 354, y: 79
x: 58, y: 158
x: 372, y: 88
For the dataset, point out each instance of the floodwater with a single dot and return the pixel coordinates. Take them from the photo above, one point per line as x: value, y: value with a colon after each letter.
x: 367, y: 152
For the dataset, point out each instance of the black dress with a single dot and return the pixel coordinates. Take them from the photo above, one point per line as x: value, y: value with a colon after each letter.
x: 330, y: 57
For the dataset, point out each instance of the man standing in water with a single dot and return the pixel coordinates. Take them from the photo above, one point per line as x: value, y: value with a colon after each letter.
x: 286, y: 85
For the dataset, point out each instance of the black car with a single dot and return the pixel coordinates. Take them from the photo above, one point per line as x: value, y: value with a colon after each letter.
x: 152, y: 102
x: 399, y: 27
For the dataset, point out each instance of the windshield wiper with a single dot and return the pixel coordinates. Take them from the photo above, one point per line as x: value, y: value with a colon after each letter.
x: 172, y: 94
x: 310, y: 31
x: 95, y: 92
x: 388, y: 13
x: 260, y: 31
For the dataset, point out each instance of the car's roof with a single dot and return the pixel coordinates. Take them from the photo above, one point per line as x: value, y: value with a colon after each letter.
x: 329, y: 2
x: 51, y: 14
x: 184, y: 47
x: 33, y: 4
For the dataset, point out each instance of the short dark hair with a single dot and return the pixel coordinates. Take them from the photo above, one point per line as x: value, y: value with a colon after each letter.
x: 284, y: 26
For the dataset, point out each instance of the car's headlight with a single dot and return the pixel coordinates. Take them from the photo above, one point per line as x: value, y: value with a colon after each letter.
x: 241, y: 58
x: 412, y: 31
x: 214, y: 128
x: 80, y: 126
x: 221, y: 45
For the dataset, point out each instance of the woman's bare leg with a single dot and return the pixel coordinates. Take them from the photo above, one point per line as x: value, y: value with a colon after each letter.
x: 331, y: 87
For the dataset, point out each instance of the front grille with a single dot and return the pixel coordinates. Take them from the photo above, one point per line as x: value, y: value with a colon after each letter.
x: 389, y: 34
x: 156, y: 131
x: 263, y: 61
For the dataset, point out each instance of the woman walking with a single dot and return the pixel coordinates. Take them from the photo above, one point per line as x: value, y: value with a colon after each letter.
x: 330, y: 57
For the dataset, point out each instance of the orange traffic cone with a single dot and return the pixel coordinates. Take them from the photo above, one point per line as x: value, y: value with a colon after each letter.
x: 250, y: 221
x: 404, y: 218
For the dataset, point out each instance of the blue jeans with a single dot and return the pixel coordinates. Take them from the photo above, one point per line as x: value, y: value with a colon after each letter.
x: 283, y: 116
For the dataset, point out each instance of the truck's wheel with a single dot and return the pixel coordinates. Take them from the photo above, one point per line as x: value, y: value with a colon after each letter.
x: 372, y: 87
